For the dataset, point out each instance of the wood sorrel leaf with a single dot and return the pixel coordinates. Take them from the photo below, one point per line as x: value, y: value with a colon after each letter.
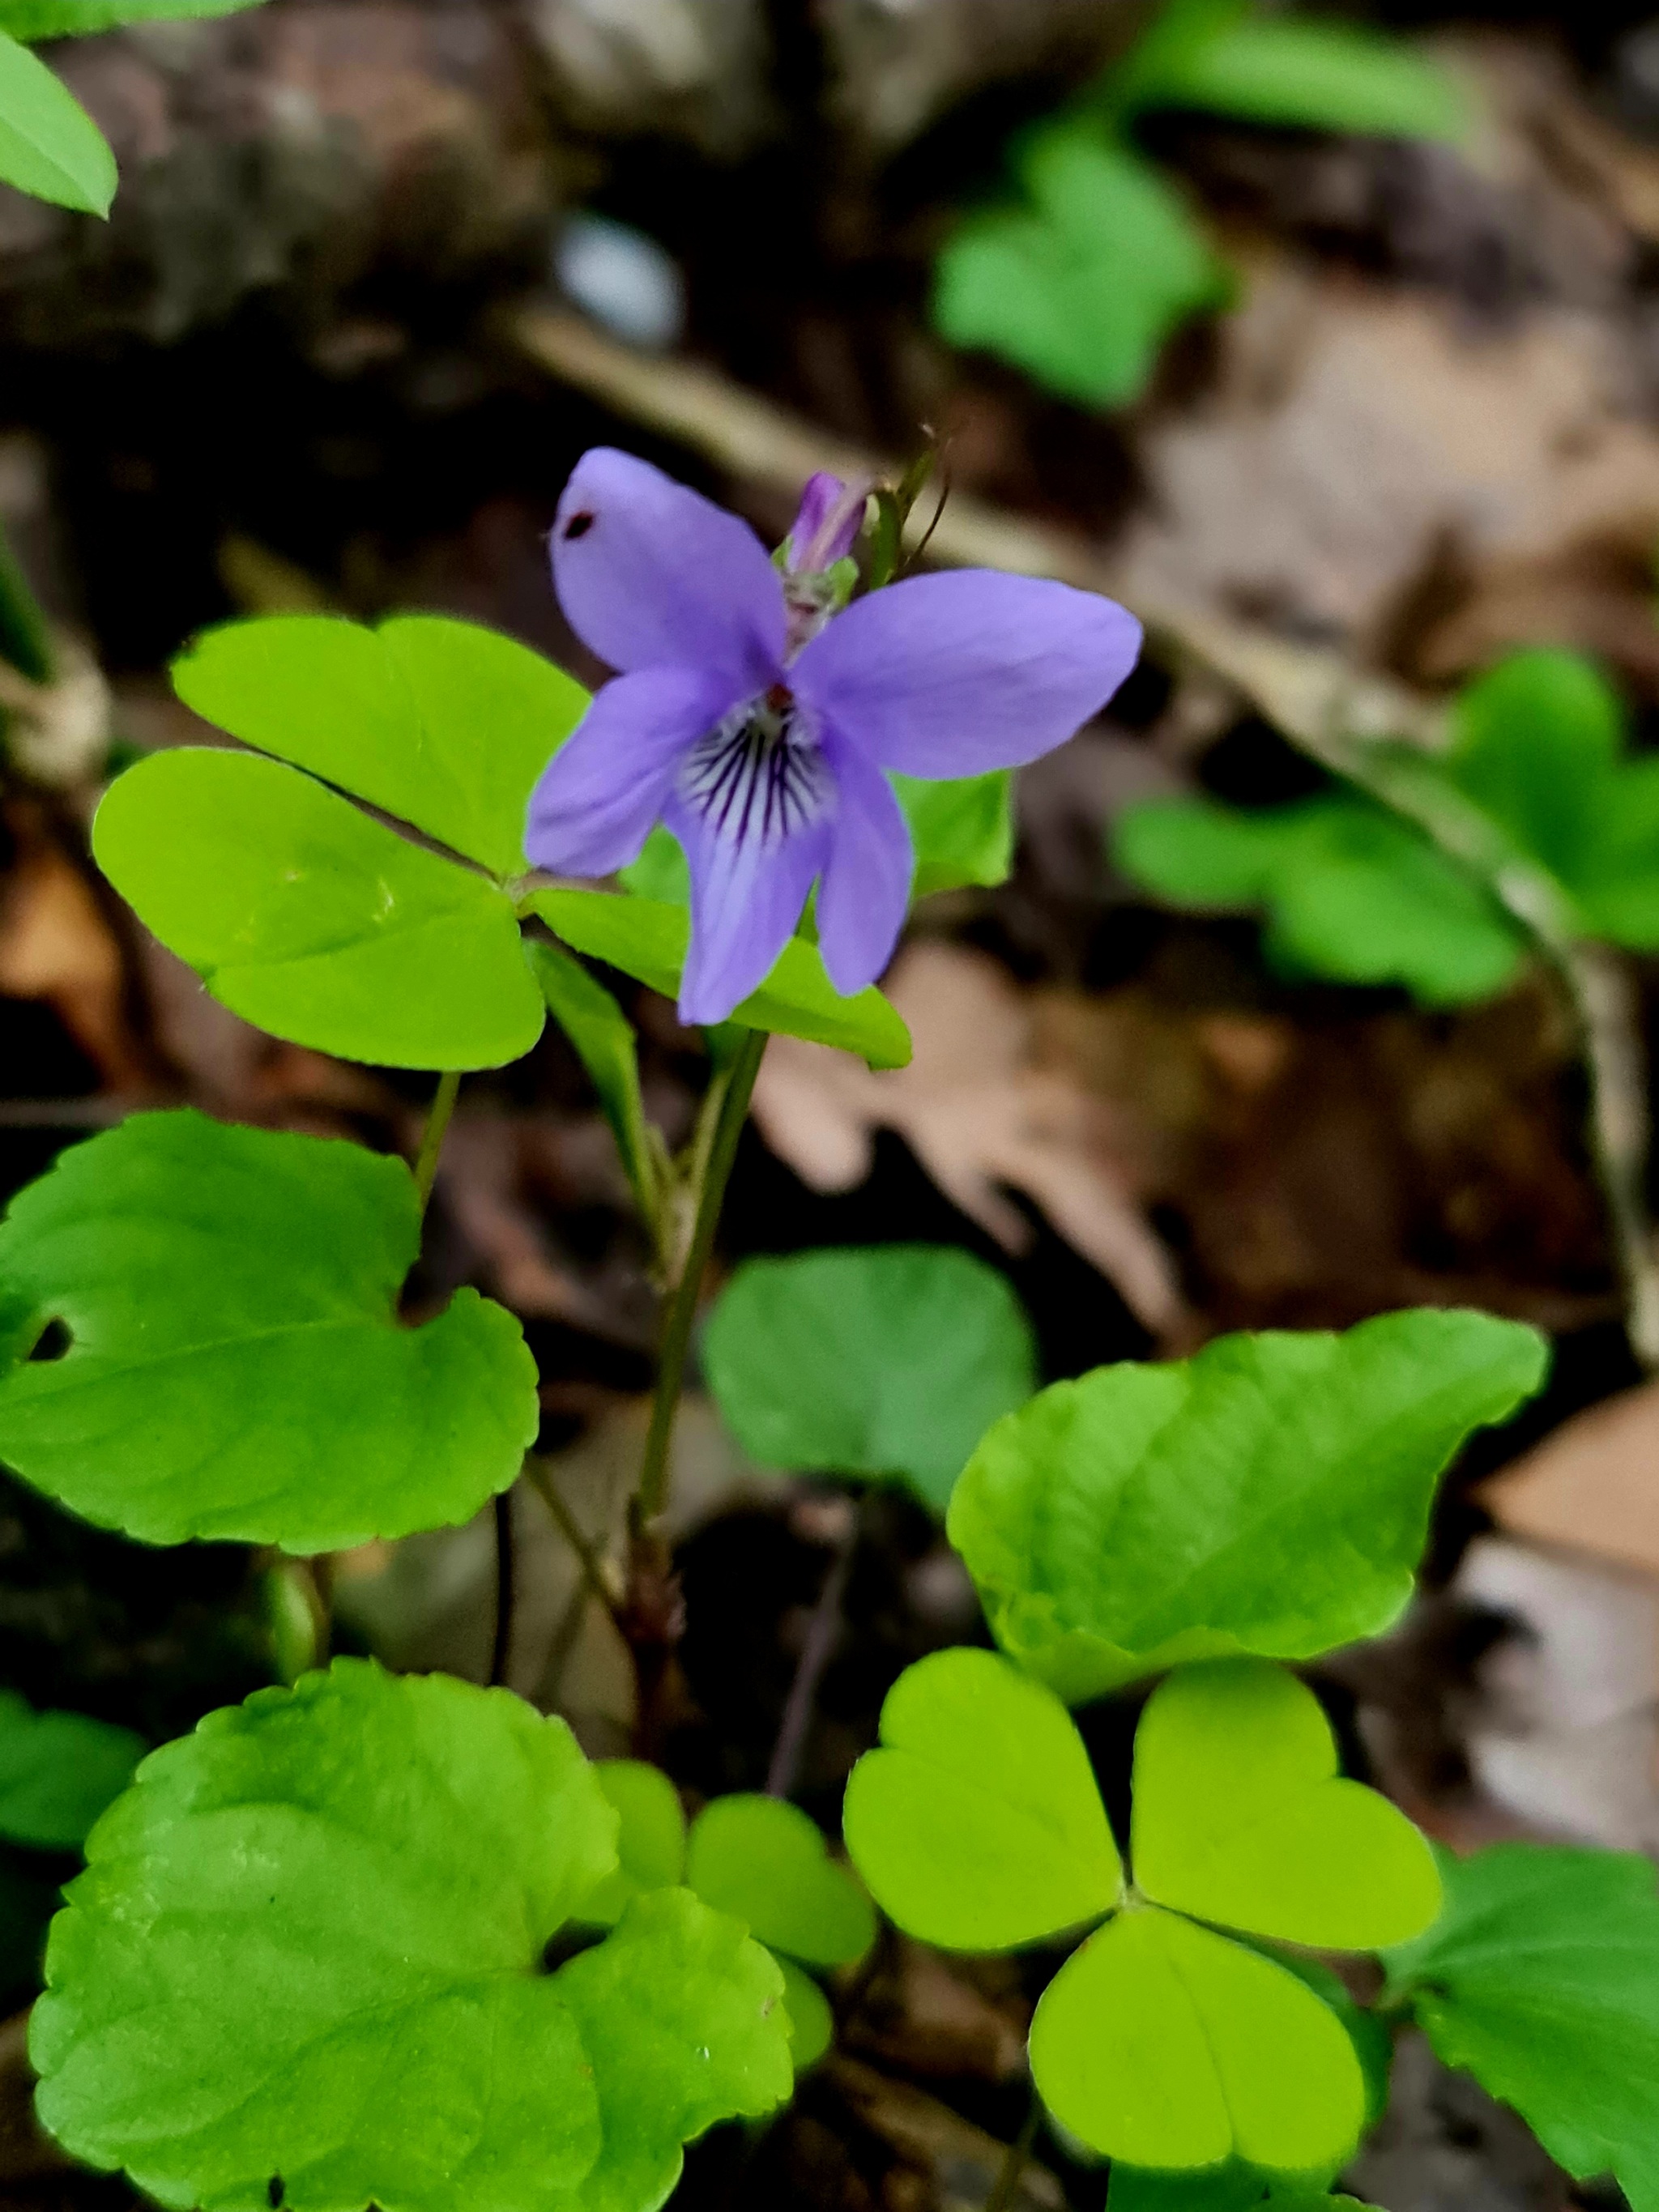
x: 888, y: 1360
x: 235, y: 1366
x: 1166, y: 2046
x: 766, y: 1863
x: 650, y: 1837
x: 302, y: 1966
x: 682, y: 2016
x: 49, y: 147
x: 57, y: 1772
x: 1542, y: 1979
x: 811, y: 2023
x: 961, y: 827
x: 305, y: 916
x: 647, y: 938
x: 977, y: 1824
x: 1269, y: 1496
x: 442, y: 723
x: 1240, y: 1817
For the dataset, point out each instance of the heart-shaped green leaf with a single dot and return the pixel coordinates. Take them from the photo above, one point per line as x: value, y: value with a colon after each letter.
x: 962, y: 828
x: 442, y: 723
x: 235, y: 1367
x: 305, y: 916
x: 303, y: 1962
x: 977, y: 1825
x: 811, y: 2023
x: 1240, y: 1817
x: 647, y: 938
x: 766, y: 1863
x: 893, y: 1360
x: 49, y: 147
x: 1270, y: 1496
x: 1166, y: 2046
x: 650, y: 1837
x: 57, y: 1772
x: 683, y: 2018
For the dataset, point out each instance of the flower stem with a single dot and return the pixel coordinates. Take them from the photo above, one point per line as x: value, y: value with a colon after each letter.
x: 823, y: 1633
x: 1003, y: 2190
x: 437, y: 1122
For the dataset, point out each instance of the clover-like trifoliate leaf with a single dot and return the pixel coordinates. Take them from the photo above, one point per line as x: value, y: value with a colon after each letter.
x: 312, y: 920
x: 442, y: 723
x: 962, y: 828
x: 811, y: 2023
x: 1541, y: 1980
x: 235, y: 1367
x: 647, y: 938
x: 682, y: 2016
x: 1269, y: 1496
x: 1241, y: 1817
x: 976, y: 1823
x: 891, y: 1360
x: 1350, y: 891
x: 49, y: 147
x: 650, y: 1837
x: 57, y: 1772
x: 1165, y: 2046
x: 766, y: 1863
x: 303, y: 1963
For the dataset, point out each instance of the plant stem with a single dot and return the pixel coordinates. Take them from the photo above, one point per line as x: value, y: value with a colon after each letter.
x: 823, y: 1634
x: 682, y: 1307
x: 25, y: 633
x: 570, y: 1528
x: 502, y: 1649
x: 1013, y: 2164
x: 437, y: 1122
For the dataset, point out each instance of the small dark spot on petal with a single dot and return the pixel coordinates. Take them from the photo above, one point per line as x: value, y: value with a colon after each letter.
x: 275, y: 2190
x: 579, y: 526
x: 779, y: 696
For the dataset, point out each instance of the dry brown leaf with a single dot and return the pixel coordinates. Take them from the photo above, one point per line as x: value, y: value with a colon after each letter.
x: 1592, y: 1486
x: 56, y: 945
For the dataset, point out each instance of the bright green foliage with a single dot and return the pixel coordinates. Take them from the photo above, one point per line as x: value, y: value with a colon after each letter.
x: 1232, y: 2186
x: 977, y: 1823
x: 49, y: 147
x: 604, y: 1040
x: 647, y: 938
x: 811, y: 2023
x: 1167, y: 2046
x: 235, y: 1365
x: 309, y: 918
x: 1350, y: 891
x: 64, y: 18
x: 766, y: 1863
x: 661, y: 871
x: 650, y: 1837
x: 1240, y: 1817
x: 1081, y: 282
x: 1269, y: 1496
x: 888, y: 1360
x: 682, y: 2016
x: 962, y: 830
x: 1542, y: 1979
x: 57, y: 1772
x: 441, y: 723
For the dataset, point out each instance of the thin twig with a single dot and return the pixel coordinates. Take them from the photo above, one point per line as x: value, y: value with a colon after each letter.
x: 1013, y: 2164
x: 437, y: 1122
x: 502, y: 1649
x: 588, y: 1555
x: 823, y: 1632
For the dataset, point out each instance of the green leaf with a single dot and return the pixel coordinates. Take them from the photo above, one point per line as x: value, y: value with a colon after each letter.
x: 1240, y: 1817
x: 305, y: 916
x: 1311, y: 75
x: 64, y: 19
x: 811, y: 2023
x: 442, y: 723
x: 977, y: 1824
x: 661, y: 872
x: 1536, y: 744
x: 1165, y: 2046
x: 1081, y: 286
x: 766, y: 1863
x: 1352, y: 893
x: 1541, y: 1980
x: 307, y: 1946
x: 888, y: 1360
x: 49, y: 147
x: 603, y: 1041
x: 57, y: 1772
x: 650, y: 1838
x: 962, y: 830
x: 235, y: 1367
x: 1269, y: 1496
x: 647, y: 938
x: 682, y: 2015
x: 1230, y: 2187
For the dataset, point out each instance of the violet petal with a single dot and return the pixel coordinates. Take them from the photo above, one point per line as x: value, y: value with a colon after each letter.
x: 865, y: 887
x: 651, y: 574
x: 746, y: 897
x: 954, y: 674
x: 597, y: 797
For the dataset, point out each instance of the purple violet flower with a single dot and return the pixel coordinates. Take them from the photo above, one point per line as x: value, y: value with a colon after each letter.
x: 758, y: 724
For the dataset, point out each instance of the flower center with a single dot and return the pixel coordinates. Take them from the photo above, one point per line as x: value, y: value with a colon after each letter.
x: 758, y: 776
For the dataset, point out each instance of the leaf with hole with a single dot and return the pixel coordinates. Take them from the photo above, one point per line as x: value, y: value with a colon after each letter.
x: 1269, y: 1496
x: 976, y: 1823
x: 49, y: 147
x: 890, y: 1360
x: 235, y: 1366
x: 314, y: 921
x: 57, y: 1772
